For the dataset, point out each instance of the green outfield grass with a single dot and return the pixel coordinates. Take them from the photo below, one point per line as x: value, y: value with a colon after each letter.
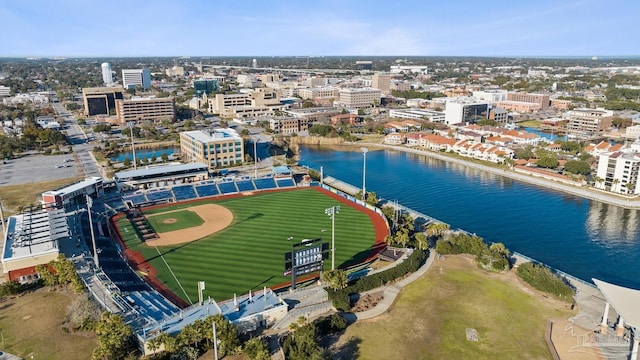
x: 249, y: 254
x: 184, y: 219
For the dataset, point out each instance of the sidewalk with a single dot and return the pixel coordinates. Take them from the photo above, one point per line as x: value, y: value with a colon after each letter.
x: 390, y: 292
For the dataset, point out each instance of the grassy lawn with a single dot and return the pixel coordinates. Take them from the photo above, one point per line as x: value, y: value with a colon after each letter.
x: 31, y: 327
x: 249, y: 254
x: 530, y: 123
x: 184, y: 219
x: 429, y: 318
x: 14, y: 196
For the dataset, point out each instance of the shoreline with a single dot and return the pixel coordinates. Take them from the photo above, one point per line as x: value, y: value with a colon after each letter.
x: 586, y: 193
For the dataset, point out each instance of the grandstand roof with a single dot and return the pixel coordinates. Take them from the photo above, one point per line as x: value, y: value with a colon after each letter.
x: 623, y: 299
x: 159, y: 170
x: 281, y: 170
x: 34, y: 233
x: 75, y: 186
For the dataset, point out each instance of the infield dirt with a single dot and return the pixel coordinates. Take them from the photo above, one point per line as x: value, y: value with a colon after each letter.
x: 215, y: 218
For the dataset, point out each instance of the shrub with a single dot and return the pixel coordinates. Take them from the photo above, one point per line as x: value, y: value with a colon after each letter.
x: 461, y: 243
x: 541, y: 278
x: 10, y: 288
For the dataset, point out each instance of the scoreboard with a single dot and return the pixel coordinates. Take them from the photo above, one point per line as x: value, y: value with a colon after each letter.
x: 305, y: 257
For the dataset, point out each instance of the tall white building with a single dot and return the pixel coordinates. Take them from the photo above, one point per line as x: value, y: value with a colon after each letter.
x: 134, y: 77
x: 491, y: 96
x: 465, y: 110
x: 107, y: 76
x: 618, y: 171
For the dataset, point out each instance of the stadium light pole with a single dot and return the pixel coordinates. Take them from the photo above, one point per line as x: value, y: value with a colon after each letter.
x: 332, y: 211
x: 93, y: 237
x: 364, y: 173
x: 255, y: 158
x: 293, y: 266
x: 215, y: 340
x: 133, y: 148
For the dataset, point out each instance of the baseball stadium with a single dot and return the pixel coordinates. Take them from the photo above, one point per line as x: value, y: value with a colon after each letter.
x: 236, y: 243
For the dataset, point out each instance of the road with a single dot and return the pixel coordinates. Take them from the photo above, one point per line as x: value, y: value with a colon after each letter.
x: 78, y: 141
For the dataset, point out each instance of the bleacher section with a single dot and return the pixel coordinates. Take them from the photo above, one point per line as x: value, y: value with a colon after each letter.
x: 245, y: 185
x: 227, y: 187
x: 159, y: 195
x: 135, y: 199
x: 285, y: 182
x: 264, y: 183
x: 184, y: 192
x: 207, y: 189
x: 151, y: 306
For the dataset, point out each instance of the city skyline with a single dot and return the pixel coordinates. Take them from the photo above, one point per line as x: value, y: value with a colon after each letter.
x: 331, y: 28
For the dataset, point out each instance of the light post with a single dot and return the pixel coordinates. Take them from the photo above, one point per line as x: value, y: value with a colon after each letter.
x: 255, y: 158
x: 332, y: 211
x: 93, y: 237
x: 133, y: 148
x: 364, y: 173
x: 293, y: 266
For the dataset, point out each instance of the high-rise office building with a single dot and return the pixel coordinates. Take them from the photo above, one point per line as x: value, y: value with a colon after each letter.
x: 101, y: 100
x: 107, y: 77
x: 136, y: 77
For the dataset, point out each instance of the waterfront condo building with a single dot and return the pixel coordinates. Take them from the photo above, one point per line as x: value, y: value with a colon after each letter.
x: 136, y: 77
x: 359, y: 98
x: 100, y: 100
x: 218, y: 149
x: 618, y: 171
x: 145, y: 108
x: 585, y: 123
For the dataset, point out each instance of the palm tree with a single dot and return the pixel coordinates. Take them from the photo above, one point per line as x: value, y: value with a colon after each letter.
x: 438, y: 228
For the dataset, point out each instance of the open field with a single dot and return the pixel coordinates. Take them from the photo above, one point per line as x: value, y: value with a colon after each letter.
x: 14, y: 196
x: 31, y: 327
x: 249, y: 254
x: 430, y: 317
x: 175, y: 220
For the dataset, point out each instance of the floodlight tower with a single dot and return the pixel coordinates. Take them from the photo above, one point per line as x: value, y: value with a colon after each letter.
x: 364, y: 173
x: 332, y: 211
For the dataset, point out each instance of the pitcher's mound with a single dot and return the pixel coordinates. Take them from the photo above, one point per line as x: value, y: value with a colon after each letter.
x: 216, y: 218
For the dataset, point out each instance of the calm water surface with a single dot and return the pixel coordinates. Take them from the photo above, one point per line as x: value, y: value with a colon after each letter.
x: 581, y: 237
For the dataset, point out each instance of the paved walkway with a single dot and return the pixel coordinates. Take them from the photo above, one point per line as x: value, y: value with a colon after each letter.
x: 390, y: 292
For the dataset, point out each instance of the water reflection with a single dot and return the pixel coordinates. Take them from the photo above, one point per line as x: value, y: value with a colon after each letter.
x: 611, y: 225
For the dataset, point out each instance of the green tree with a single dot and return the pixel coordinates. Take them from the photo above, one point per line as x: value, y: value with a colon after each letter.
x: 336, y: 279
x: 126, y: 162
x: 549, y: 162
x: 525, y: 153
x: 256, y: 349
x: 104, y: 128
x: 226, y: 333
x: 114, y: 337
x: 577, y: 167
x: 421, y: 241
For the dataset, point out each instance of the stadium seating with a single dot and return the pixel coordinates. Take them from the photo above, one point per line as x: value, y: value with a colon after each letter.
x: 245, y: 185
x: 207, y: 189
x: 184, y: 192
x: 264, y: 183
x: 159, y: 195
x: 286, y: 182
x: 135, y: 199
x: 228, y: 187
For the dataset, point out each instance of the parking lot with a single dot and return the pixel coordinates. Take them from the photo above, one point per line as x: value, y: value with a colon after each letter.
x: 36, y: 168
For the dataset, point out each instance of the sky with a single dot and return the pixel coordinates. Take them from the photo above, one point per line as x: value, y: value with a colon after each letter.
x: 114, y: 28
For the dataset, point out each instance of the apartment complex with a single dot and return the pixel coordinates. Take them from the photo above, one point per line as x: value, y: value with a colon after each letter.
x: 219, y: 148
x: 359, y: 98
x: 136, y: 77
x: 618, y: 171
x: 100, y: 100
x: 149, y: 108
x: 382, y: 82
x: 258, y: 102
x: 541, y: 99
x: 288, y: 125
x: 584, y: 123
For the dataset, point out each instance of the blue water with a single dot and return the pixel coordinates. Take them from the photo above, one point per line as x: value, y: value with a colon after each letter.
x: 543, y: 134
x: 581, y: 237
x: 143, y: 153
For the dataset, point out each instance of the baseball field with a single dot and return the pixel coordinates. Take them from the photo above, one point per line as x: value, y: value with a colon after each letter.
x: 237, y: 243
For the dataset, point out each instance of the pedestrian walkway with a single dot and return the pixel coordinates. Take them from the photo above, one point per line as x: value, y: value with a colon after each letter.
x: 390, y: 292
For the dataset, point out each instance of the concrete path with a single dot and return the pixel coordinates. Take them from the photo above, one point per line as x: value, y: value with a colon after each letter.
x: 390, y: 292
